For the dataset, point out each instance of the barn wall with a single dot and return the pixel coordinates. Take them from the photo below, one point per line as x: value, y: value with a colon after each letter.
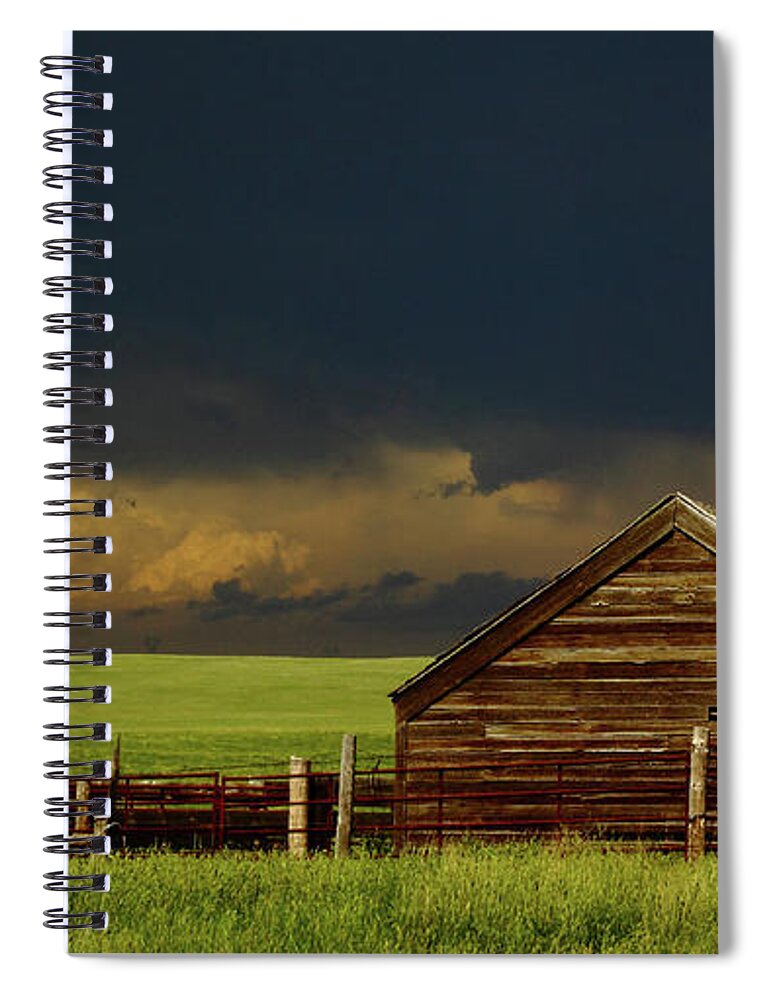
x: 632, y: 664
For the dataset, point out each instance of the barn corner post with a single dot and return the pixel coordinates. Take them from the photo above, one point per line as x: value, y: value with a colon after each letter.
x: 299, y: 800
x: 345, y: 799
x: 399, y: 811
x: 696, y: 799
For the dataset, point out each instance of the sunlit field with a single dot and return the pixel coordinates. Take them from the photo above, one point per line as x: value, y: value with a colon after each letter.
x: 241, y: 713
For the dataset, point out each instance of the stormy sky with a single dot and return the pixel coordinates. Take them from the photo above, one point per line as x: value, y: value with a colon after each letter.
x: 404, y: 323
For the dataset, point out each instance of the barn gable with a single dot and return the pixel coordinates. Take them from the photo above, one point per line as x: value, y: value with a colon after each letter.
x: 622, y: 585
x: 632, y: 664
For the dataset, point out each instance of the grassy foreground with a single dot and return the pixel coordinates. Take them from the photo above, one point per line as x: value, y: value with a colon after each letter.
x: 525, y: 898
x: 193, y: 713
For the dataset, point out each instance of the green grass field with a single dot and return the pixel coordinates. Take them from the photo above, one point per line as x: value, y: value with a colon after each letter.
x: 246, y: 713
x: 249, y: 714
x: 470, y: 899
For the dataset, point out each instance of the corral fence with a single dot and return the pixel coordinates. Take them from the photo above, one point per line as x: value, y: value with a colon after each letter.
x: 664, y: 798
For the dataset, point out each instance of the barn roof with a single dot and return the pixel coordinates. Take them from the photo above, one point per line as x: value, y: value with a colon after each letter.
x: 675, y: 511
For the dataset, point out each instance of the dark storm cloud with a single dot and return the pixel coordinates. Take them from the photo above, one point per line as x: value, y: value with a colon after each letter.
x: 230, y: 600
x: 445, y: 491
x: 330, y: 239
x: 391, y: 583
x: 146, y: 611
x: 496, y: 245
x: 397, y: 603
x: 502, y: 454
x: 447, y: 609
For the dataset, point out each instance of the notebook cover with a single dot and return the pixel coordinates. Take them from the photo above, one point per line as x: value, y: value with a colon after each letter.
x: 414, y: 443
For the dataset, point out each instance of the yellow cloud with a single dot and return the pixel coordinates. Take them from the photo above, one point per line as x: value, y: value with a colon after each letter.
x: 215, y: 551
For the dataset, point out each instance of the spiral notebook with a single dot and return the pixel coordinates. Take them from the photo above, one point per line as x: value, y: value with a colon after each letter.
x: 382, y: 452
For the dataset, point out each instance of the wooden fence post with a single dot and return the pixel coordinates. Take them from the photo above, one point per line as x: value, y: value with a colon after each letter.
x: 345, y: 799
x: 696, y: 802
x: 81, y: 823
x: 100, y: 824
x: 299, y: 794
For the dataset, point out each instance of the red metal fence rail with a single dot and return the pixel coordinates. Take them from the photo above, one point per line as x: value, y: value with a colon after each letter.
x: 626, y: 796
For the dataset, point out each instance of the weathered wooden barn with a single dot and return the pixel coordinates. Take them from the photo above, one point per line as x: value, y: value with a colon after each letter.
x: 615, y: 655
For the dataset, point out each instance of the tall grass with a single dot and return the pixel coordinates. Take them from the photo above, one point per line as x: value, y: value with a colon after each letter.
x: 518, y: 898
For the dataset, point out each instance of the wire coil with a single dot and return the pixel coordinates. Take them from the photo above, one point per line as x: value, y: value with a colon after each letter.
x: 70, y: 808
x: 100, y: 583
x: 94, y: 656
x: 54, y: 66
x: 79, y: 470
x: 90, y: 920
x: 77, y: 322
x: 58, y: 843
x: 82, y: 284
x: 66, y: 769
x: 70, y: 508
x: 99, y: 545
x: 77, y: 395
x: 78, y: 619
x: 60, y: 248
x: 61, y: 882
x: 58, y: 101
x: 83, y: 433
x: 57, y: 138
x: 60, y: 732
x: 60, y: 361
x: 93, y: 810
x: 58, y: 175
x: 91, y: 211
x: 100, y: 695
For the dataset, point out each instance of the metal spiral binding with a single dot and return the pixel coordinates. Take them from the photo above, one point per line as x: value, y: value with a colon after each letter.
x: 59, y: 249
x: 95, y: 731
x: 58, y: 843
x: 99, y: 545
x: 69, y: 883
x: 60, y: 361
x: 94, y: 656
x: 57, y: 101
x: 66, y: 769
x: 84, y: 284
x: 100, y: 583
x: 79, y: 470
x: 83, y: 395
x: 97, y: 508
x: 67, y: 808
x: 79, y: 619
x: 100, y: 695
x: 80, y: 322
x: 54, y: 66
x: 84, y: 433
x: 57, y: 138
x: 91, y: 211
x: 79, y: 840
x: 89, y: 920
x: 56, y: 176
